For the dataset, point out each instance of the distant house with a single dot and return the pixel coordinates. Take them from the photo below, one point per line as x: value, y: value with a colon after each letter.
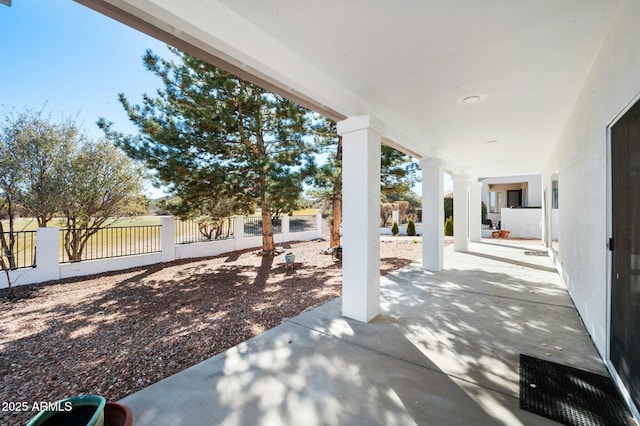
x: 514, y: 193
x: 511, y: 191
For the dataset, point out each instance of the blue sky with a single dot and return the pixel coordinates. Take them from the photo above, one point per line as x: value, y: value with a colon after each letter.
x: 73, y: 62
x: 71, y: 59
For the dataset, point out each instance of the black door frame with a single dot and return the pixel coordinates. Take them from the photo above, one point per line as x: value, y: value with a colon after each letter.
x: 609, y: 273
x: 511, y: 191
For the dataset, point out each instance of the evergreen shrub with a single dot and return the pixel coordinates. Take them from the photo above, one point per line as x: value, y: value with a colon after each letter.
x: 411, y: 228
x: 448, y: 227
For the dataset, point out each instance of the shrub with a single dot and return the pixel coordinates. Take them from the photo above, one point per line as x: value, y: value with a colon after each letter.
x: 448, y: 207
x: 394, y: 229
x: 411, y: 228
x: 448, y: 227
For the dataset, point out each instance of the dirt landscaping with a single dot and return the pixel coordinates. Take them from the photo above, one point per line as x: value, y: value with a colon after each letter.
x: 114, y: 334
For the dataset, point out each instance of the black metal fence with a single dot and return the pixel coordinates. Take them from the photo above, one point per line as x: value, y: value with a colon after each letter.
x: 189, y: 231
x: 302, y: 223
x: 253, y: 226
x: 18, y: 249
x: 109, y: 242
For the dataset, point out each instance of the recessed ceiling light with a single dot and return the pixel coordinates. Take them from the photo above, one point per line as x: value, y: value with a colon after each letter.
x: 472, y: 99
x: 492, y: 141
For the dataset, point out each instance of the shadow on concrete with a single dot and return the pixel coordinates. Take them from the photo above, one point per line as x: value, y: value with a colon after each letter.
x: 445, y: 350
x: 513, y: 262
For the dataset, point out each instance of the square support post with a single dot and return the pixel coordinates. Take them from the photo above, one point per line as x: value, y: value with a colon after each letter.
x: 361, y: 139
x: 48, y: 254
x: 238, y: 228
x: 432, y: 214
x: 168, y: 238
x: 475, y: 212
x: 461, y: 213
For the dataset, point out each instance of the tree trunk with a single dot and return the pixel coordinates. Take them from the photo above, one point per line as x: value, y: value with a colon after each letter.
x: 336, y: 205
x: 8, y: 245
x: 7, y: 248
x: 336, y: 202
x: 5, y: 267
x: 72, y: 241
x: 268, y: 246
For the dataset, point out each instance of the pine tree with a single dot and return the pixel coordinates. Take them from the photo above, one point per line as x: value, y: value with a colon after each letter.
x: 411, y: 228
x: 397, y: 174
x: 328, y: 177
x: 209, y: 134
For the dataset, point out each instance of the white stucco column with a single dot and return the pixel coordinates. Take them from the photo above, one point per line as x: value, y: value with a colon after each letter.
x: 432, y: 214
x: 475, y: 211
x: 48, y: 254
x: 361, y: 139
x: 168, y: 238
x: 460, y: 213
x: 395, y: 217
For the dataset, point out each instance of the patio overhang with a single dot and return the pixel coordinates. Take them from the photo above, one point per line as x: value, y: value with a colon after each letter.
x: 445, y: 78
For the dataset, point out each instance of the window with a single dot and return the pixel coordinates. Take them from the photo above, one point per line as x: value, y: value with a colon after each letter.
x: 496, y: 201
x: 554, y: 213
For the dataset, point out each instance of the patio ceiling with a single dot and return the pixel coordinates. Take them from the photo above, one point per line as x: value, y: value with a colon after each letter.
x: 408, y: 63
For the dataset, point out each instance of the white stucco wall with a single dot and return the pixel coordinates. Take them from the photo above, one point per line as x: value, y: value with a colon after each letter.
x: 535, y: 191
x: 580, y: 158
x: 523, y: 223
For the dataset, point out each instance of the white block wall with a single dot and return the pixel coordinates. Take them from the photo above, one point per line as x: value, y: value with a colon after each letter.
x: 48, y: 267
x: 523, y: 223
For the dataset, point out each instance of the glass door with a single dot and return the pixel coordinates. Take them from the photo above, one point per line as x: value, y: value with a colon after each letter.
x: 625, y: 246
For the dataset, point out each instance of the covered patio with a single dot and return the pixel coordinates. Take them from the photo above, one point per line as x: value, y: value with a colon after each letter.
x: 444, y: 350
x: 472, y: 89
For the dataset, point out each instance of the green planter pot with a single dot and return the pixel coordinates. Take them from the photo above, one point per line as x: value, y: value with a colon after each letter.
x: 85, y: 410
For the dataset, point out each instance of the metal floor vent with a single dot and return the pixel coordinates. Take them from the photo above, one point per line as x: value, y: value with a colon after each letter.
x: 535, y: 253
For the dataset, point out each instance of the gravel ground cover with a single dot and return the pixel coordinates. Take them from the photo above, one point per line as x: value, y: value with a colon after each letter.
x: 114, y: 334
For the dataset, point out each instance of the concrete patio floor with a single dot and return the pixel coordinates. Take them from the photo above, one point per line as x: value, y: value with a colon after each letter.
x: 445, y: 351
